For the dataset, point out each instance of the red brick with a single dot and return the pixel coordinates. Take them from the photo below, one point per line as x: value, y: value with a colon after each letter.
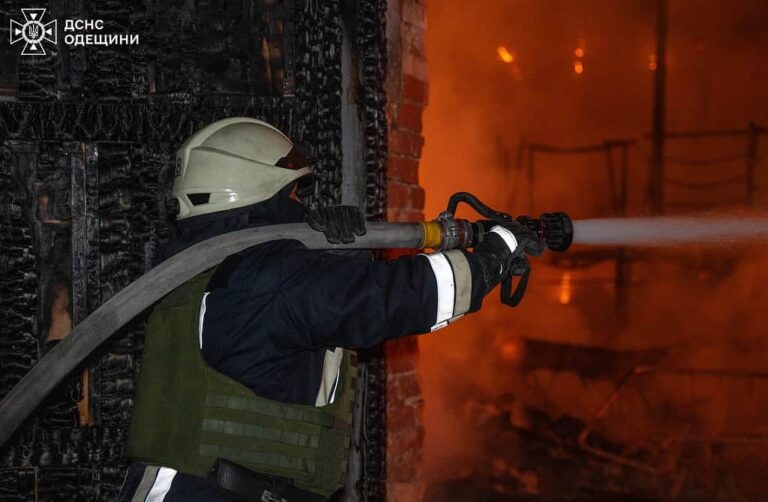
x: 401, y: 417
x: 394, y: 214
x: 414, y: 90
x: 414, y: 13
x: 410, y: 432
x: 402, y: 469
x: 403, y: 169
x: 405, y: 215
x: 417, y: 143
x: 412, y: 39
x: 417, y: 198
x: 402, y: 355
x: 415, y: 64
x: 391, y: 112
x: 411, y: 215
x: 397, y: 142
x: 398, y: 195
x: 407, y: 93
x: 405, y: 386
x: 409, y: 117
x: 405, y: 143
x: 409, y: 344
x: 392, y: 109
x: 407, y: 439
x: 405, y: 200
x: 404, y: 451
x: 401, y: 140
x: 406, y: 448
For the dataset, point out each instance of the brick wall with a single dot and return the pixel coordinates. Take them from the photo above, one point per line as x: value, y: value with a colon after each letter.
x: 407, y: 91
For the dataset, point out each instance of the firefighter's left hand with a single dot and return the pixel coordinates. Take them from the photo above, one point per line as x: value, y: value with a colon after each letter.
x: 340, y: 224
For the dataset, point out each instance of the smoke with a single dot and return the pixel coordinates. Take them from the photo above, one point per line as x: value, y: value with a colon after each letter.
x: 686, y: 322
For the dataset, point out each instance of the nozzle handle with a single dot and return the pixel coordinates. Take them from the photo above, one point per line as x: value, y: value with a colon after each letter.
x: 521, y: 267
x: 477, y: 205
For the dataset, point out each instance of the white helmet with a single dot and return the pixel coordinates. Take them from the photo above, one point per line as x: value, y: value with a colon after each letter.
x: 234, y: 163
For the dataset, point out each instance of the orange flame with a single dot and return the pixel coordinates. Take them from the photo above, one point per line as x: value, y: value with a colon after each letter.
x: 565, y: 288
x: 505, y: 55
x: 512, y: 350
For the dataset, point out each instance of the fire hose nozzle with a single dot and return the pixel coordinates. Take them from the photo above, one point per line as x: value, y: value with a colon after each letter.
x: 448, y: 232
x: 557, y: 230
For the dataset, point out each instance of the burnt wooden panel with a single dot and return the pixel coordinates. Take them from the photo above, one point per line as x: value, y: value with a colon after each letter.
x: 87, y: 141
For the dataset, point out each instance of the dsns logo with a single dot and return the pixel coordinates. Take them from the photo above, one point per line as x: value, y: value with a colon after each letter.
x: 33, y: 32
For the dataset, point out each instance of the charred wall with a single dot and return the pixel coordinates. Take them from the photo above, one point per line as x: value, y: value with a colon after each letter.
x: 87, y: 141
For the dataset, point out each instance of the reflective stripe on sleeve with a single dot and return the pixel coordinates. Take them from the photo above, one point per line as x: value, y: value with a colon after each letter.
x: 145, y: 484
x: 161, y: 485
x: 508, y: 236
x: 462, y: 279
x: 437, y: 326
x: 446, y: 291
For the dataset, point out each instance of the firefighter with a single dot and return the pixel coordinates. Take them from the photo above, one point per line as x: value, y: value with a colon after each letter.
x: 247, y: 378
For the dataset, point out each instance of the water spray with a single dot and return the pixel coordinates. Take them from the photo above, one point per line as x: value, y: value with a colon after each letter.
x: 670, y: 231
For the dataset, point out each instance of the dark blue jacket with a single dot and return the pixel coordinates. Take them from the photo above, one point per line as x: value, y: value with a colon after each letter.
x: 272, y: 311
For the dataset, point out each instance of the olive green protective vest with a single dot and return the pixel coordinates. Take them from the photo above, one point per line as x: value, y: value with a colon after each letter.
x: 186, y: 414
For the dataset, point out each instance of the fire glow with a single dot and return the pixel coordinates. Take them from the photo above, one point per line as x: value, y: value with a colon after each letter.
x: 580, y: 347
x: 565, y: 289
x: 505, y: 55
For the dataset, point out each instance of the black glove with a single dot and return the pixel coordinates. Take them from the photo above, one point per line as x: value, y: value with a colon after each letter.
x: 338, y: 223
x: 496, y: 256
x: 528, y: 241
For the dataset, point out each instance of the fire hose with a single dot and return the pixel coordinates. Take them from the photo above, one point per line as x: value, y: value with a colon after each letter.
x: 447, y: 232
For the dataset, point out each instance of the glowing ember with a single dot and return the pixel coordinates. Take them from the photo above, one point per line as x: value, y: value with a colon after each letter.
x: 579, y: 52
x: 512, y: 350
x: 578, y: 67
x: 565, y: 288
x: 505, y: 55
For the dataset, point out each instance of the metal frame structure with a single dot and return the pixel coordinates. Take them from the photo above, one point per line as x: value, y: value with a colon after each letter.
x: 617, y: 177
x: 750, y: 157
x: 588, y: 438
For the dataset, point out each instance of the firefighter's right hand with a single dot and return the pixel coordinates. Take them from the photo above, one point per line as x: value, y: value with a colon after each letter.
x: 518, y: 238
x: 505, y: 242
